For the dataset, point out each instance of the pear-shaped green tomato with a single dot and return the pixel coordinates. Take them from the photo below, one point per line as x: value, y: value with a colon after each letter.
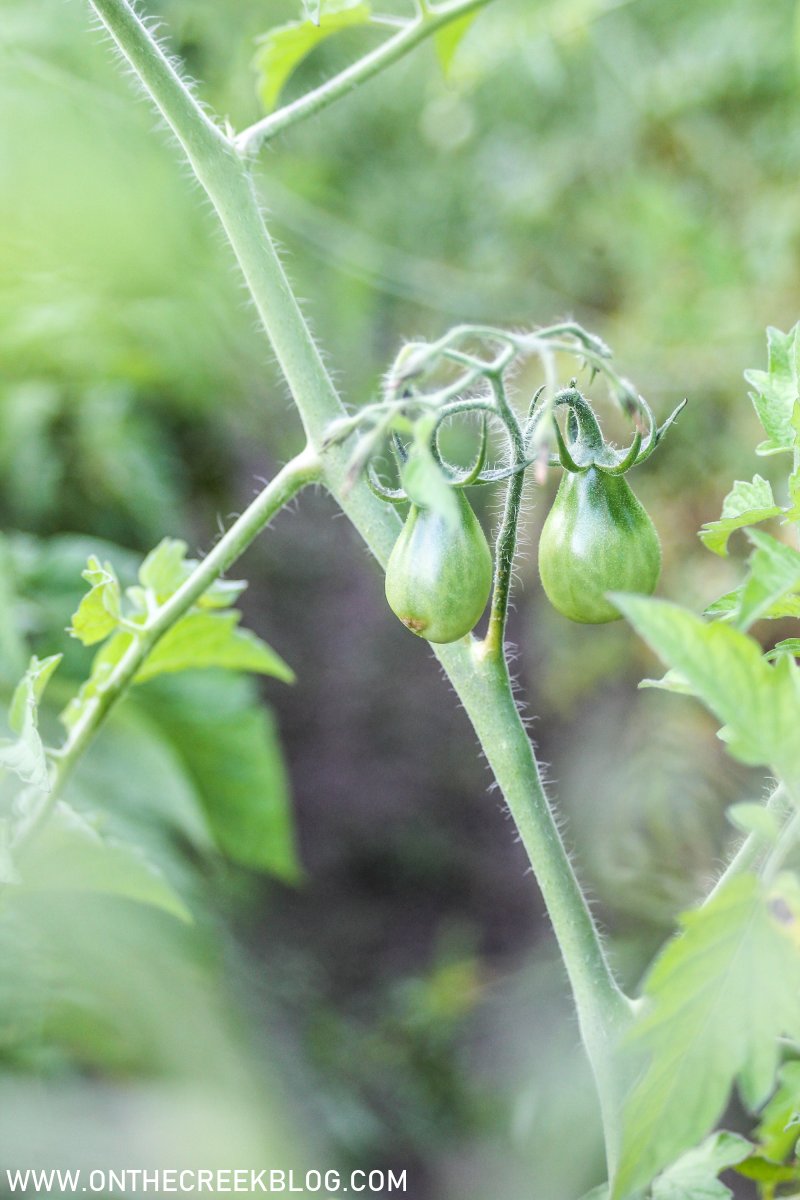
x: 439, y: 574
x: 597, y: 539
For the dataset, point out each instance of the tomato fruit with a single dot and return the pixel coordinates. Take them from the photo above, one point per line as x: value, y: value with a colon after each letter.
x: 439, y: 574
x: 597, y: 538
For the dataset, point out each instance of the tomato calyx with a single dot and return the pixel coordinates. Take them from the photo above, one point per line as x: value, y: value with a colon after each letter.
x: 584, y: 445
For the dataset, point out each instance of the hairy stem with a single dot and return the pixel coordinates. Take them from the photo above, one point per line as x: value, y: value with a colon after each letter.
x: 287, y: 483
x: 752, y: 847
x: 506, y: 543
x: 482, y: 684
x: 428, y: 22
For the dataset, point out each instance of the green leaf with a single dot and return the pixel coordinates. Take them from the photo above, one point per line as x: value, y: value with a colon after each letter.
x: 30, y: 689
x: 25, y: 756
x: 206, y: 639
x: 166, y: 568
x: 750, y: 817
x: 793, y: 512
x: 764, y: 1171
x: 776, y: 390
x: 727, y: 606
x: 787, y: 646
x: 69, y: 855
x: 718, y: 998
x: 779, y: 1126
x: 282, y: 49
x: 98, y: 613
x: 200, y: 639
x: 757, y: 703
x: 229, y: 747
x: 773, y: 573
x: 449, y: 38
x: 673, y: 681
x: 422, y: 478
x: 694, y: 1175
x: 745, y: 504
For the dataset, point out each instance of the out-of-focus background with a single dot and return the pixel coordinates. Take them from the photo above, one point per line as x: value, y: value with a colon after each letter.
x: 376, y: 986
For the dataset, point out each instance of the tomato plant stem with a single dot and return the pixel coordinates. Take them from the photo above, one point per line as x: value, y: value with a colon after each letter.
x: 297, y: 473
x: 753, y: 845
x: 506, y: 542
x: 481, y: 682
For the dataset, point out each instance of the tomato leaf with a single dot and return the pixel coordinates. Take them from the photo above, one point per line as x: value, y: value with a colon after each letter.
x: 229, y: 747
x: 694, y: 1175
x: 745, y: 504
x: 70, y: 855
x: 166, y: 568
x: 750, y: 817
x: 449, y: 38
x: 718, y: 998
x: 773, y: 574
x: 757, y: 703
x: 282, y: 50
x: 25, y: 755
x: 99, y: 611
x: 787, y: 646
x: 779, y: 1127
x: 776, y: 390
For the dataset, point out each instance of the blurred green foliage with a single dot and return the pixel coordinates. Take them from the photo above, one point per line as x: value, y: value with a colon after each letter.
x: 629, y: 162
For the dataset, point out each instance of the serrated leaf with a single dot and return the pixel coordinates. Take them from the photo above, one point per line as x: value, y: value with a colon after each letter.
x: 787, y: 646
x: 210, y: 639
x: 777, y: 1129
x: 200, y: 639
x: 25, y: 756
x: 764, y: 1171
x: 718, y: 998
x: 449, y: 38
x: 167, y: 567
x: 757, y: 703
x: 725, y: 607
x: 773, y: 573
x: 750, y: 817
x: 30, y: 689
x: 69, y: 855
x: 673, y: 681
x: 229, y: 746
x: 745, y: 504
x: 98, y: 613
x: 776, y: 390
x: 694, y: 1175
x: 282, y: 50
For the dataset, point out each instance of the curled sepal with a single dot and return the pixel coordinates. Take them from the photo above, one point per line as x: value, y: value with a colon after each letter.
x: 630, y: 459
x: 584, y: 445
x: 390, y: 495
x: 657, y: 434
x: 472, y: 475
x: 564, y: 457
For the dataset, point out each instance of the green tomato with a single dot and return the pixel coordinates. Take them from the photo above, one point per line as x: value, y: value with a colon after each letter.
x: 439, y: 574
x: 597, y: 539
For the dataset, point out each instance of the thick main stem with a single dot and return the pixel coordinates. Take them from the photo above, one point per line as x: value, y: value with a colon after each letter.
x: 481, y: 684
